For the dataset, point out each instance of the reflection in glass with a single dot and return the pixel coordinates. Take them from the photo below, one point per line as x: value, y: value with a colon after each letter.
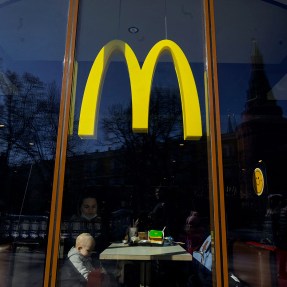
x: 149, y: 181
x: 31, y: 56
x: 254, y: 139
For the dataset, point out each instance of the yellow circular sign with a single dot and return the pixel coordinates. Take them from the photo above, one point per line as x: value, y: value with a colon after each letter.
x: 258, y: 181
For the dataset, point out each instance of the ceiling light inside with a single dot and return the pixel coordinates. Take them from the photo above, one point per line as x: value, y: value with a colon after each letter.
x: 133, y: 30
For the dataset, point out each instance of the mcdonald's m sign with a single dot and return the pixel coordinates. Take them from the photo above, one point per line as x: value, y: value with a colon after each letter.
x: 141, y: 81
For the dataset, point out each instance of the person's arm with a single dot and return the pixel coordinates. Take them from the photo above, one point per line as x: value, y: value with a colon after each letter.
x: 83, y: 265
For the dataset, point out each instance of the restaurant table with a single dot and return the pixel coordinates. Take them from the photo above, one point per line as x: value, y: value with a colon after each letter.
x: 145, y: 254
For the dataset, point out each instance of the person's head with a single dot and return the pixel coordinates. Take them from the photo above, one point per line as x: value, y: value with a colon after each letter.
x: 89, y: 207
x: 192, y: 221
x: 85, y: 243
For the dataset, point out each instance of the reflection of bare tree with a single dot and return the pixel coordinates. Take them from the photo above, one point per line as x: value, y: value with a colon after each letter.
x: 28, y: 119
x: 146, y: 156
x: 164, y: 121
x: 28, y: 127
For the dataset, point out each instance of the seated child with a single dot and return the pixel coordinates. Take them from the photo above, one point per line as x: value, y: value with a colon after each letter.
x: 79, y: 269
x: 80, y: 255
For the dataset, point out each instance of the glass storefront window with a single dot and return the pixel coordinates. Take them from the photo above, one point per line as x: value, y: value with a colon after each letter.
x: 251, y: 46
x: 123, y: 178
x: 136, y: 189
x: 32, y: 49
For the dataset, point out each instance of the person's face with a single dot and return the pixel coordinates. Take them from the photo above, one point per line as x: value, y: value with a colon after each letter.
x: 192, y: 221
x: 87, y: 248
x: 89, y: 207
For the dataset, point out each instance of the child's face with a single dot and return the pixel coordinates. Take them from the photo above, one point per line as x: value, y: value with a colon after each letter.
x: 86, y: 248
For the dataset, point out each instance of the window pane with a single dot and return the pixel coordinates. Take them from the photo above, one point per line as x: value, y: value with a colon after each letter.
x: 251, y: 39
x: 32, y: 47
x: 155, y: 180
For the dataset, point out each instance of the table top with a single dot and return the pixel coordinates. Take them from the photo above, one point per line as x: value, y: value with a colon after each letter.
x: 121, y: 251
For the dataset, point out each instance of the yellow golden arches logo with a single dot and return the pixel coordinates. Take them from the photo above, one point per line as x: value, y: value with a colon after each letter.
x: 141, y: 81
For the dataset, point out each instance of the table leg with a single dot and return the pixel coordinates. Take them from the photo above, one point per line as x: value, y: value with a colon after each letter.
x: 145, y: 271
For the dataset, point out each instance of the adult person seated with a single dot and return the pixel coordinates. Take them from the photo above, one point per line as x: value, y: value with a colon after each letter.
x: 193, y: 235
x: 87, y: 208
x: 88, y: 219
x: 159, y: 216
x: 162, y: 217
x: 195, y: 232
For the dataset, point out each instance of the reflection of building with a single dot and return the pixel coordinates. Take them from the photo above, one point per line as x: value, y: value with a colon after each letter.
x: 229, y: 152
x: 259, y: 140
x: 111, y: 174
x: 262, y: 134
x: 231, y: 172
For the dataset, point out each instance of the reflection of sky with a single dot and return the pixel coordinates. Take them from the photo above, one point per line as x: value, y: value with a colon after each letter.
x: 47, y: 71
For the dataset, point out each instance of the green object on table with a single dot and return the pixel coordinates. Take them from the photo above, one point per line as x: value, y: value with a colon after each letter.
x: 156, y: 233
